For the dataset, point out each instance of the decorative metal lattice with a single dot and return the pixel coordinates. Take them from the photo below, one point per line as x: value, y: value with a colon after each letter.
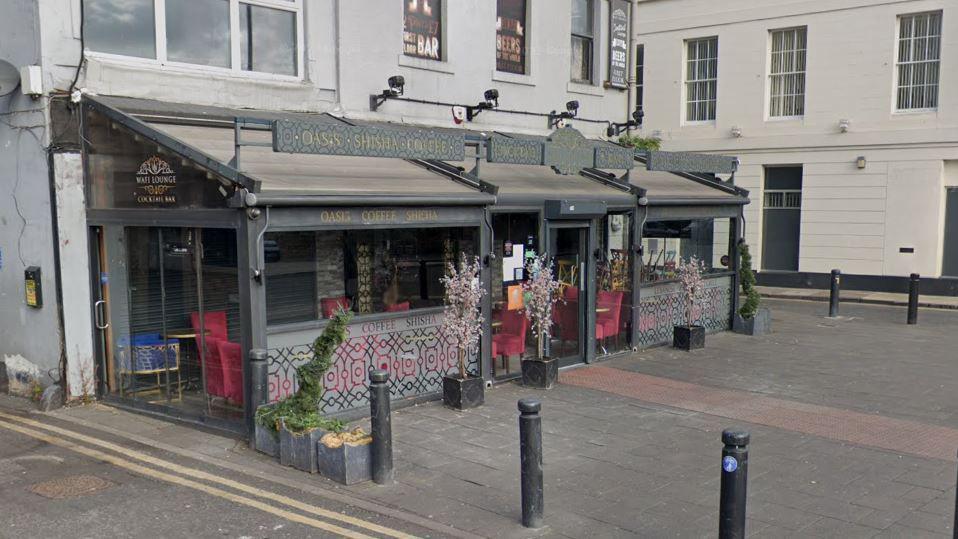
x: 662, y: 307
x: 364, y: 265
x: 411, y: 349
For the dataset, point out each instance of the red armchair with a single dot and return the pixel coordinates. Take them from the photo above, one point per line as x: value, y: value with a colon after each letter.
x: 610, y: 320
x: 511, y: 340
x: 331, y: 305
x: 397, y: 307
x: 231, y: 360
x: 214, y: 322
x: 214, y: 368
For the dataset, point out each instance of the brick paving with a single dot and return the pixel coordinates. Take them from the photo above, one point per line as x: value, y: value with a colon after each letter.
x: 893, y: 434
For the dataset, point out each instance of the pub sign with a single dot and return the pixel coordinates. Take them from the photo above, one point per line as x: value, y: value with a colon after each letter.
x: 422, y: 29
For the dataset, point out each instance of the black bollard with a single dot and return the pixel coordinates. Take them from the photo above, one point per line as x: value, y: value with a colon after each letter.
x: 381, y: 451
x: 258, y: 368
x: 833, y: 297
x: 530, y: 457
x: 954, y: 525
x: 734, y: 483
x: 913, y: 299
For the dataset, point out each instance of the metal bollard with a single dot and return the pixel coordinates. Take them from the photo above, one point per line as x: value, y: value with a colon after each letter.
x: 913, y: 299
x: 835, y: 290
x: 954, y: 526
x: 734, y: 483
x: 258, y: 369
x: 530, y: 457
x: 381, y: 451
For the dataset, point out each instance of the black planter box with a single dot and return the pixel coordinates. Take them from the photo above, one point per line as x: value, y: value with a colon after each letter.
x: 347, y: 464
x: 299, y: 450
x: 463, y: 394
x: 540, y: 373
x: 265, y: 440
x: 760, y: 324
x: 688, y: 337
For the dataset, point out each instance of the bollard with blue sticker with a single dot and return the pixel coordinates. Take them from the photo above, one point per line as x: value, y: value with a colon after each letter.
x: 734, y: 482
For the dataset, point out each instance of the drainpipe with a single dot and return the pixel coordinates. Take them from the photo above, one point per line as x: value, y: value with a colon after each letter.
x: 633, y: 26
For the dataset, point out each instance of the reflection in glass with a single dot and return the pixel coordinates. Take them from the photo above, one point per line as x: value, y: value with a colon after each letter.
x: 665, y: 243
x: 614, y: 285
x: 311, y: 274
x: 267, y: 40
x: 198, y: 32
x: 124, y: 27
x: 515, y: 241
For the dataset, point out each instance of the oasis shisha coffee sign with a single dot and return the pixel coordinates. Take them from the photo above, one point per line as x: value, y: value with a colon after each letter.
x: 155, y: 183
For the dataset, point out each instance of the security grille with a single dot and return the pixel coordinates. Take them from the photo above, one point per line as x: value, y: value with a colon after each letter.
x: 783, y: 199
x: 919, y: 55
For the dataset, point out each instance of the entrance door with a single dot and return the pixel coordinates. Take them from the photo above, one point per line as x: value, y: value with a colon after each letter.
x: 782, y: 218
x: 949, y: 265
x: 167, y: 318
x: 568, y: 247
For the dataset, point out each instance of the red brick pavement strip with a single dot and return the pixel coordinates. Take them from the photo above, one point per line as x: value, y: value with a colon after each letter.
x: 896, y: 435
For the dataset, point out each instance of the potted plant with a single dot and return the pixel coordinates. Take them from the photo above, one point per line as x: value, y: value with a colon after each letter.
x: 540, y: 292
x: 690, y: 336
x: 297, y: 420
x: 751, y: 318
x: 462, y: 323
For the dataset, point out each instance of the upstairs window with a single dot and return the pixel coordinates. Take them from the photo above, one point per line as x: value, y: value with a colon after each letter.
x: 639, y: 75
x: 266, y: 39
x: 919, y: 56
x: 583, y: 40
x: 787, y: 73
x: 511, y: 36
x: 422, y: 29
x: 701, y: 79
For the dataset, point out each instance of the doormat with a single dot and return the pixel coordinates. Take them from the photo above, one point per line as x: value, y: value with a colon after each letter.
x: 70, y: 487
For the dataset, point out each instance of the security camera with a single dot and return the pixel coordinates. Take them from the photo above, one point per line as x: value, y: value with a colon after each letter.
x: 572, y: 107
x: 492, y: 97
x: 396, y: 84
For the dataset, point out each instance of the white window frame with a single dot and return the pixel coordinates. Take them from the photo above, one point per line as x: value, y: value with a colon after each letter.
x: 235, y: 69
x: 686, y: 81
x: 593, y: 51
x: 898, y: 64
x: 785, y: 74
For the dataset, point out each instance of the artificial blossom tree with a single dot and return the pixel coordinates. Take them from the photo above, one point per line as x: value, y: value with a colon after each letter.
x: 462, y: 320
x: 539, y: 294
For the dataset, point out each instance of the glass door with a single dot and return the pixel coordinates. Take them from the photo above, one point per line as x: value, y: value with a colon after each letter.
x: 568, y: 247
x: 167, y: 319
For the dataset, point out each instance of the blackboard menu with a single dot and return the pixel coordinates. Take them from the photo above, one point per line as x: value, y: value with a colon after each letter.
x: 511, y: 36
x: 422, y: 32
x: 619, y: 44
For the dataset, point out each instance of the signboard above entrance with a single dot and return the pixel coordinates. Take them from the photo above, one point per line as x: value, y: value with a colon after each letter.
x: 297, y: 136
x: 690, y: 162
x: 566, y: 151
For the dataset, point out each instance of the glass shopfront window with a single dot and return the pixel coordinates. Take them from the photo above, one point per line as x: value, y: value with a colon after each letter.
x: 515, y: 240
x: 311, y: 274
x: 614, y: 284
x: 665, y: 243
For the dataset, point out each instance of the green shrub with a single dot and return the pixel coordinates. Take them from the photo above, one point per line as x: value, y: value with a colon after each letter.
x: 301, y: 410
x: 752, y: 298
x: 641, y: 143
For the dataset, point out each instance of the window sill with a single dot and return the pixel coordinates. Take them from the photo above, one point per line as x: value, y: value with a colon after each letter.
x: 704, y: 123
x: 512, y: 78
x: 585, y: 89
x: 784, y: 119
x: 914, y: 112
x: 148, y: 64
x: 437, y: 66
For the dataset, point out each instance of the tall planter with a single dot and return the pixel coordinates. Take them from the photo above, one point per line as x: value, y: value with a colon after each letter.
x: 540, y: 373
x: 265, y: 439
x: 348, y: 463
x: 463, y: 393
x: 759, y: 324
x: 688, y: 338
x: 299, y: 449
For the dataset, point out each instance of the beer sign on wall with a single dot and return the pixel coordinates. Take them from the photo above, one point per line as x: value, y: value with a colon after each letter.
x: 619, y: 44
x: 511, y: 36
x: 422, y: 28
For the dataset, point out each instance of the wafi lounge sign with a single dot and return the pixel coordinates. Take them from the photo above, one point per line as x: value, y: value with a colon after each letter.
x: 155, y: 183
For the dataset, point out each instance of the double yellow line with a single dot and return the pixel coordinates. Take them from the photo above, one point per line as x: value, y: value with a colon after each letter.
x: 22, y: 425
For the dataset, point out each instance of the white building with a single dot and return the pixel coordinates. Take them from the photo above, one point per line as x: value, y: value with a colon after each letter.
x: 281, y: 55
x: 844, y: 114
